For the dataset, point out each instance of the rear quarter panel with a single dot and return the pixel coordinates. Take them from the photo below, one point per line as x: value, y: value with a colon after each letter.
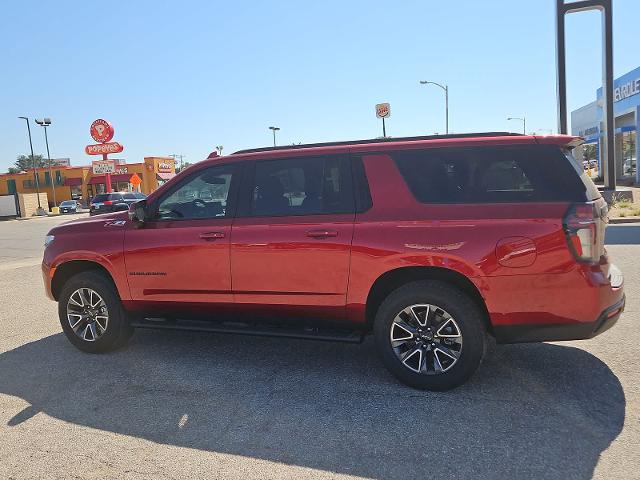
x: 399, y: 231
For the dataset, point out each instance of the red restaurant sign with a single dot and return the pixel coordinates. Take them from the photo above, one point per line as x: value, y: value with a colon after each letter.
x: 103, y: 148
x: 101, y: 131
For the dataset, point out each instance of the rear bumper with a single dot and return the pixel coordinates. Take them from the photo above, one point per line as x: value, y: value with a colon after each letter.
x: 563, y: 331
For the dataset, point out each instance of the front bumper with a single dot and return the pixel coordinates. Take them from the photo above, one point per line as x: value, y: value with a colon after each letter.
x: 47, y: 277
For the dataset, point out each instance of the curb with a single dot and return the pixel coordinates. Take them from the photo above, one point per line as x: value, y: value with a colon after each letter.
x: 618, y: 220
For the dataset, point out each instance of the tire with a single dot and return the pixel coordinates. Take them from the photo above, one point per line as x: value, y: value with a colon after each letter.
x: 439, y: 352
x: 107, y: 335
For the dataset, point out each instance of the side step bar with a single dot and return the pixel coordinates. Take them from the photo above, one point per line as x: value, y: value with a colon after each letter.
x: 263, y: 330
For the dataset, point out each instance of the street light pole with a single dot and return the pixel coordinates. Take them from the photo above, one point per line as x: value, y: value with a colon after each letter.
x: 524, y: 123
x: 44, y: 123
x: 274, y: 129
x: 33, y: 160
x: 446, y: 100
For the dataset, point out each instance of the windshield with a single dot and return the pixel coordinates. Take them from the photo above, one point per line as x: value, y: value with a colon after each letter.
x: 68, y: 203
x: 134, y: 196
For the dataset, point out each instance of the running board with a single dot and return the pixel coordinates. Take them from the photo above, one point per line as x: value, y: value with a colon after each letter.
x: 309, y: 333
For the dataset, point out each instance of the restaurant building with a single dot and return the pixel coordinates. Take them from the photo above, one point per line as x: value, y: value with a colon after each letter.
x: 79, y: 183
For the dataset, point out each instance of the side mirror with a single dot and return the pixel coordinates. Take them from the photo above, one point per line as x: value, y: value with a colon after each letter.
x: 138, y: 212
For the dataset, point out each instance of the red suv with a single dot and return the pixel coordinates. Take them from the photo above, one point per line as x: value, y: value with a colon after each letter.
x: 436, y: 245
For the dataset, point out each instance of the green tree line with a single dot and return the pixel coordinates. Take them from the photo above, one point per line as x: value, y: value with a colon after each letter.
x: 26, y: 162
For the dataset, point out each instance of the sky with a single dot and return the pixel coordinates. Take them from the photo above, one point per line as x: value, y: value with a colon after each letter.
x: 184, y: 76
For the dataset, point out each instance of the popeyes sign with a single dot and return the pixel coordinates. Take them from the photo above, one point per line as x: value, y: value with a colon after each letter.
x: 102, y: 132
x: 103, y: 148
x: 104, y: 167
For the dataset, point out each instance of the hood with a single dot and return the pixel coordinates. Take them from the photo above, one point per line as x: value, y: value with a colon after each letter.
x: 97, y: 222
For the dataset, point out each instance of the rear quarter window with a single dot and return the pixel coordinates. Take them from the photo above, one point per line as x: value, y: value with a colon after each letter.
x: 505, y: 174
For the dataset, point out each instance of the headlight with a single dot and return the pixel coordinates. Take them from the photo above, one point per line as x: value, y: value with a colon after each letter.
x: 47, y: 240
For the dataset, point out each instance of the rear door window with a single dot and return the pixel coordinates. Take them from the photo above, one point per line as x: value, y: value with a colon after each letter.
x: 527, y: 173
x: 302, y: 186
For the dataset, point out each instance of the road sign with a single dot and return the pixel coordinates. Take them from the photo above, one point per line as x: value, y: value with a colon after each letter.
x: 103, y: 167
x: 101, y: 131
x: 383, y: 110
x: 103, y: 148
x: 135, y: 180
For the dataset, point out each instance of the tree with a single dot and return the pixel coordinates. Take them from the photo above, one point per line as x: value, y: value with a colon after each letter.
x: 26, y: 162
x: 589, y: 151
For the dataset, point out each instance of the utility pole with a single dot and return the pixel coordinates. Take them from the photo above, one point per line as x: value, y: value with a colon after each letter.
x: 174, y: 156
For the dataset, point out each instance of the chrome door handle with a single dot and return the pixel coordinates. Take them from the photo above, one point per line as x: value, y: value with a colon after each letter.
x: 321, y: 233
x: 209, y: 236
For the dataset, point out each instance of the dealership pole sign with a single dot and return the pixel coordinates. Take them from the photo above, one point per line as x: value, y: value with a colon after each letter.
x: 102, y: 132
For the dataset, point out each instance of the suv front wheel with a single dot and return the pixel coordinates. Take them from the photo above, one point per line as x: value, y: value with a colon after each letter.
x: 430, y: 335
x: 91, y: 313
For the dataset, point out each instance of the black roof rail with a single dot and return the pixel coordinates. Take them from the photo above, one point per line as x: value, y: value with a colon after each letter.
x: 378, y: 140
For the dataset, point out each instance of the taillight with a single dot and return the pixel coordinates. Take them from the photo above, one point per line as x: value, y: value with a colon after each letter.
x: 108, y: 202
x: 584, y: 225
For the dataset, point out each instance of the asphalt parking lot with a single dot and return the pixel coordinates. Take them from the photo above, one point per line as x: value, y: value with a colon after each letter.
x: 194, y: 405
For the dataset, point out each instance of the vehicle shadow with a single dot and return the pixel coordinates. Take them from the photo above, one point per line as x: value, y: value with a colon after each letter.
x: 532, y: 411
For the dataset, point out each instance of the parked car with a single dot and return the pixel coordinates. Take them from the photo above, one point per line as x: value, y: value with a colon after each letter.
x: 107, y: 203
x: 437, y: 246
x: 69, y: 206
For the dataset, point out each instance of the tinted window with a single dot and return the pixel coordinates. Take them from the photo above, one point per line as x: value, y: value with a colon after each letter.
x: 203, y: 195
x: 103, y: 197
x: 590, y: 188
x: 302, y: 186
x: 134, y: 196
x: 68, y: 203
x: 361, y: 186
x: 490, y: 174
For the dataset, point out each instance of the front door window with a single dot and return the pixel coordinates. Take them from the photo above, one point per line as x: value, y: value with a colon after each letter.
x: 204, y: 195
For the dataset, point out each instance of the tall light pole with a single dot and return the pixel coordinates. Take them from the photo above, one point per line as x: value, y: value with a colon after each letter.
x: 274, y: 129
x: 446, y: 100
x: 33, y: 160
x: 44, y: 123
x: 524, y: 123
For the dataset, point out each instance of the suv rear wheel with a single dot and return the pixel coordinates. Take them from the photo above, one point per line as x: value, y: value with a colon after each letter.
x: 430, y: 335
x: 91, y: 313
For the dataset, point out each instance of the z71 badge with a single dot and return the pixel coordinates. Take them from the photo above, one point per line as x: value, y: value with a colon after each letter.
x: 115, y: 223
